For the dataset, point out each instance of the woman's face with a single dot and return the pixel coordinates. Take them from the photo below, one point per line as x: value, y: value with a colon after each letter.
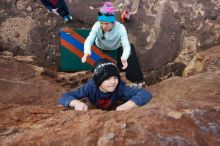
x: 106, y: 26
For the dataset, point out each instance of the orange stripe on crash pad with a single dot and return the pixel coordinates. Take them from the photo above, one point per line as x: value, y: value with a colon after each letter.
x: 78, y: 37
x: 75, y: 51
x: 94, y: 49
x: 103, y: 55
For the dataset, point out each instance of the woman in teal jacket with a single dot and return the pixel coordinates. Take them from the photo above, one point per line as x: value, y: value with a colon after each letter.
x: 108, y: 34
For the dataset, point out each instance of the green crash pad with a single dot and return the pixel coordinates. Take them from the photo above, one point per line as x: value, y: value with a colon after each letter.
x: 72, y: 46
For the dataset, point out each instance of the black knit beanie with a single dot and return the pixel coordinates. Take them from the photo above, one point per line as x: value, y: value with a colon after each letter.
x: 103, y: 70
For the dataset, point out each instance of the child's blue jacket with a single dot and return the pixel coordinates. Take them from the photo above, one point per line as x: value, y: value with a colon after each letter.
x: 106, y: 100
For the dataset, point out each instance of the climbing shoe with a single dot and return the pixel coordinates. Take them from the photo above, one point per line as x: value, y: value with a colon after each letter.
x: 70, y: 17
x: 138, y: 85
x: 65, y: 18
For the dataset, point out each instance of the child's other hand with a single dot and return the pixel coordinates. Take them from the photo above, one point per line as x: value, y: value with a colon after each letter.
x: 84, y: 57
x: 78, y: 105
x: 124, y: 63
x: 81, y: 107
x: 126, y: 106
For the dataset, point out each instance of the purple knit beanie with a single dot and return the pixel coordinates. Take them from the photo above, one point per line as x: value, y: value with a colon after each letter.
x: 107, y: 13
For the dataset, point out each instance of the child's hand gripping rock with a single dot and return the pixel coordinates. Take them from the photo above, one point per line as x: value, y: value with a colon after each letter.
x: 78, y: 105
x: 126, y: 106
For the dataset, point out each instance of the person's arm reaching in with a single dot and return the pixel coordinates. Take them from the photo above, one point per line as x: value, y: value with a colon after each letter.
x: 126, y: 106
x: 71, y: 99
x: 126, y: 47
x: 90, y: 41
x: 78, y: 105
x: 135, y: 96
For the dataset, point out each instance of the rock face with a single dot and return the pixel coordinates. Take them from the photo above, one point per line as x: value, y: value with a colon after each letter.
x: 183, y: 111
x: 168, y: 35
x: 23, y: 84
x: 162, y: 31
x: 204, y: 61
x: 26, y: 84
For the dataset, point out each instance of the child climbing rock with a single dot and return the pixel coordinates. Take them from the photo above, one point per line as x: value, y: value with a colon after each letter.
x: 58, y: 7
x: 105, y: 90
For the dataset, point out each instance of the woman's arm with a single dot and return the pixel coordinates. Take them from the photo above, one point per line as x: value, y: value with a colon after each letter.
x: 91, y: 38
x: 125, y: 43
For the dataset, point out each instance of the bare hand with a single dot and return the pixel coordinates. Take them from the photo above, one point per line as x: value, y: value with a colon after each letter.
x: 84, y: 57
x: 124, y: 63
x: 55, y: 11
x: 126, y: 106
x: 81, y: 107
x: 78, y: 105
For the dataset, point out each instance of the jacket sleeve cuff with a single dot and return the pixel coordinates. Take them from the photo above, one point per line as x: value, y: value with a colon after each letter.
x: 142, y: 100
x: 136, y: 101
x: 65, y: 101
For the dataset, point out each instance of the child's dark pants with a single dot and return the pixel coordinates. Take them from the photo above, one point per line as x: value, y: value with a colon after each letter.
x: 63, y: 11
x: 133, y: 71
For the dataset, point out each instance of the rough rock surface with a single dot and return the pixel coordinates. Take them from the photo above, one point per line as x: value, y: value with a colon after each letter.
x: 182, y: 112
x: 162, y: 31
x: 203, y: 61
x: 23, y: 84
x: 169, y: 36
